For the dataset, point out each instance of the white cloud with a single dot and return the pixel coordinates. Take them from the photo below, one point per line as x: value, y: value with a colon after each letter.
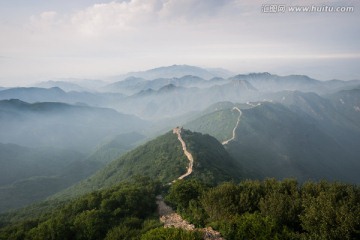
x: 119, y: 36
x: 114, y: 16
x: 193, y: 9
x: 45, y: 21
x: 117, y: 17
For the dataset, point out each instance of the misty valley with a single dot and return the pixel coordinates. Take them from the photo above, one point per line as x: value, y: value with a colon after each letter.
x: 274, y: 157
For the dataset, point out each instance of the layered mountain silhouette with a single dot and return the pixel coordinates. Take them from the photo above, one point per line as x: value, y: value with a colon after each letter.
x: 61, y: 125
x: 177, y: 71
x: 69, y: 138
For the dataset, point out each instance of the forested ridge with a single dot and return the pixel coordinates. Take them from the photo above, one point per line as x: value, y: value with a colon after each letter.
x: 123, y: 203
x: 251, y: 209
x: 125, y: 211
x: 271, y: 209
x: 163, y: 159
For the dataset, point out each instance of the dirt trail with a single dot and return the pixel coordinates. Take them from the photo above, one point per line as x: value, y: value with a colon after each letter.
x: 177, y: 131
x: 172, y: 219
x: 237, y: 124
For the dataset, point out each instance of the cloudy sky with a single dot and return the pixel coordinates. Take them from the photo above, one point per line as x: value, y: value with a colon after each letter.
x: 47, y: 39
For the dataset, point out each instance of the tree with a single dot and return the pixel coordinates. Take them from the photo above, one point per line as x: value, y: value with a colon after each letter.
x: 221, y: 202
x: 251, y: 226
x: 183, y: 191
x: 282, y: 202
x: 90, y: 224
x: 250, y: 193
x: 331, y: 211
x: 171, y: 234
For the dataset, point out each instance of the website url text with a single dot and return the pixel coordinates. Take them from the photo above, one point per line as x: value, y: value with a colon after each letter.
x: 282, y: 8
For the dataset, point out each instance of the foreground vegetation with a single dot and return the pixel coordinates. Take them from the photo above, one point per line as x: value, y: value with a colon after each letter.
x: 271, y: 209
x: 267, y: 209
x: 125, y: 211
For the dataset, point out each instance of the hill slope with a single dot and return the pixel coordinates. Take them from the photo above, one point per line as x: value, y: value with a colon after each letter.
x: 272, y: 141
x: 19, y: 162
x: 28, y: 175
x: 212, y: 164
x: 218, y: 124
x: 306, y: 138
x: 164, y: 159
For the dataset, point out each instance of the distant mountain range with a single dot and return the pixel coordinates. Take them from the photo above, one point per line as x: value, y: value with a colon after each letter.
x: 73, y: 84
x: 66, y: 86
x: 267, y: 82
x: 132, y: 85
x: 155, y: 95
x: 176, y: 71
x: 62, y: 125
x: 56, y: 94
x: 64, y: 131
x: 171, y: 100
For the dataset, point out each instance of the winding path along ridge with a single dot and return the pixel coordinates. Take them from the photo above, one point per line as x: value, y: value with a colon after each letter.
x: 237, y: 124
x: 171, y: 218
x: 177, y: 131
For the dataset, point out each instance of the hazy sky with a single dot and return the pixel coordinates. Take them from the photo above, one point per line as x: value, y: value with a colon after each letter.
x: 46, y: 39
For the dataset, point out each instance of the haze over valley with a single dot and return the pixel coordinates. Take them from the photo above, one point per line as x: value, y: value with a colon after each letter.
x: 59, y: 144
x: 290, y: 126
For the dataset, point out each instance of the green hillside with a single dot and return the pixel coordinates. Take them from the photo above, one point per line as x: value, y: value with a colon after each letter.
x: 219, y: 124
x: 18, y: 162
x: 163, y: 159
x: 252, y: 209
x: 29, y: 175
x: 125, y: 211
x: 116, y: 147
x: 32, y: 174
x: 274, y: 140
x: 218, y: 120
x: 108, y: 206
x: 212, y: 164
x: 347, y: 102
x: 272, y: 209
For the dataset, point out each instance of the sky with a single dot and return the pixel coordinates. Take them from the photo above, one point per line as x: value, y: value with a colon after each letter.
x: 47, y: 39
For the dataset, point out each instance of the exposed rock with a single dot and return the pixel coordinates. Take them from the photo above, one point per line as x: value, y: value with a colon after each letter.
x: 172, y: 219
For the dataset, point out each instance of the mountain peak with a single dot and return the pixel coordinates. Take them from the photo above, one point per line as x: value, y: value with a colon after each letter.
x: 243, y: 84
x: 163, y: 158
x: 168, y: 88
x: 145, y: 92
x: 176, y: 71
x: 261, y: 74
